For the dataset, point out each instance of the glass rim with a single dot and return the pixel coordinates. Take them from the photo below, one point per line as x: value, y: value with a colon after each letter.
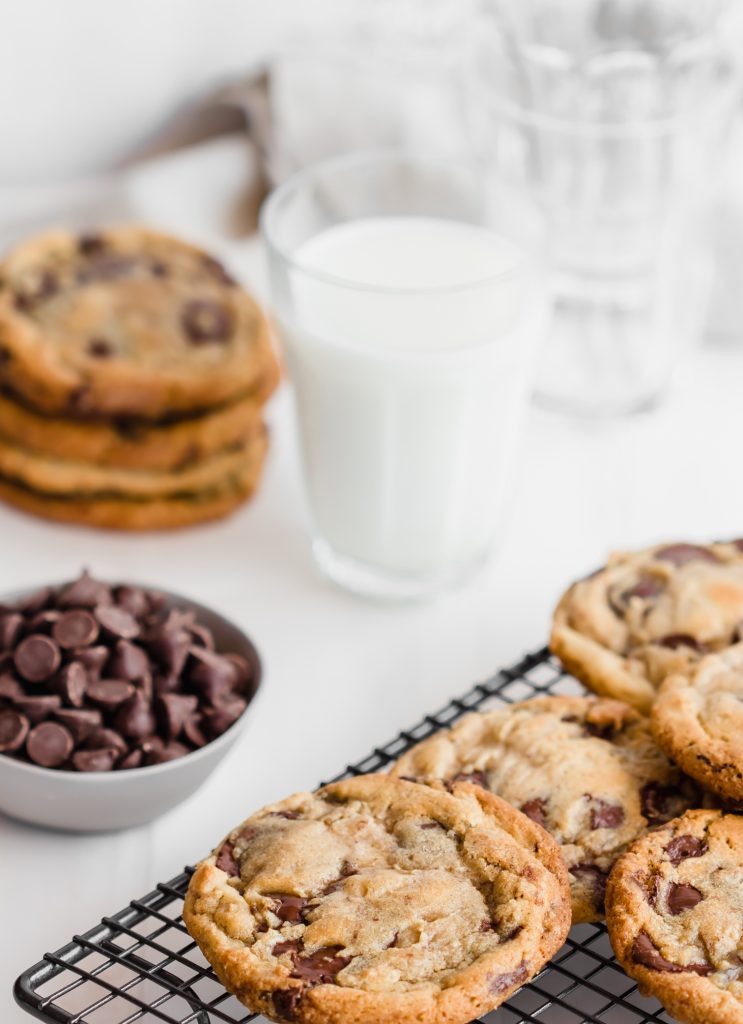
x: 623, y: 130
x: 364, y: 158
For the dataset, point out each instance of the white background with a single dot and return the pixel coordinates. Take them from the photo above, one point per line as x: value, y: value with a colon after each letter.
x: 341, y: 675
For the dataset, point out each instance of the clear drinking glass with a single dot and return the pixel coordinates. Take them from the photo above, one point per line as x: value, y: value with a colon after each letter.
x: 409, y: 329
x: 613, y: 115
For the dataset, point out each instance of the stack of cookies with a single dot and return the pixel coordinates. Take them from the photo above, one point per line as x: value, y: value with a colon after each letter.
x: 133, y: 373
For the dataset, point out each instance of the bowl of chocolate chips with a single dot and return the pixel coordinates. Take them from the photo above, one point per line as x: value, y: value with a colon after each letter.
x: 116, y: 702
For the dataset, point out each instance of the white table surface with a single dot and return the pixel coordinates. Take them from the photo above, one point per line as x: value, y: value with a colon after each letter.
x: 343, y: 675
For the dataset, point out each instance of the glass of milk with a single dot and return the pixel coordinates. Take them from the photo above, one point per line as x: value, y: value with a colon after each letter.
x: 410, y: 308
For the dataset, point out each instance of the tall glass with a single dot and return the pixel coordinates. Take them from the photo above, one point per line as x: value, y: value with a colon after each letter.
x: 410, y: 328
x: 612, y: 115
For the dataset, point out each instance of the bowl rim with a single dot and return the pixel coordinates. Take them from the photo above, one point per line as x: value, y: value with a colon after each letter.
x: 147, y: 771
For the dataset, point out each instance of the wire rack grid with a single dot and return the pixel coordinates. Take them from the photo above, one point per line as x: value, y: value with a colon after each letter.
x: 140, y: 964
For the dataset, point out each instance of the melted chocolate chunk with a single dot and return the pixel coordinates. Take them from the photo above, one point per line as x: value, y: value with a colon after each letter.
x: 683, y: 847
x: 226, y: 861
x: 286, y: 1002
x: 659, y: 803
x: 596, y: 878
x: 606, y: 815
x: 646, y: 953
x: 292, y: 946
x: 498, y: 983
x: 536, y: 810
x: 478, y: 778
x: 646, y: 588
x: 287, y: 907
x: 205, y: 320
x: 321, y: 966
x: 681, y: 554
x: 681, y: 897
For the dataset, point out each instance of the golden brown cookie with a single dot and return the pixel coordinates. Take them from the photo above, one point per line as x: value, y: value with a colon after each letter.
x: 130, y: 443
x: 377, y: 900
x: 189, y: 497
x: 126, y: 322
x: 650, y: 614
x: 585, y: 768
x: 698, y: 720
x: 674, y: 910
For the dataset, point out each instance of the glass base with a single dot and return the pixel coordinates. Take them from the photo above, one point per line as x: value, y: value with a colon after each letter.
x: 371, y: 582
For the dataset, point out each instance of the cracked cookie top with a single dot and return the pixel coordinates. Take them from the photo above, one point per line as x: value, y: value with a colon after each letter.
x: 377, y: 899
x: 125, y: 322
x: 675, y: 916
x: 650, y: 614
x: 585, y: 768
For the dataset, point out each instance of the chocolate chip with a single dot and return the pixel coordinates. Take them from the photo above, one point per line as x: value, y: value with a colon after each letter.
x: 13, y: 730
x: 287, y: 907
x: 203, y: 637
x: 681, y: 554
x: 535, y: 809
x: 38, y: 600
x: 170, y: 648
x: 133, y: 600
x: 128, y: 661
x: 606, y: 815
x: 226, y: 861
x: 101, y: 760
x: 291, y: 946
x: 645, y: 588
x: 132, y: 760
x: 43, y: 286
x: 109, y: 693
x: 10, y: 689
x: 43, y: 621
x: 499, y: 983
x: 674, y: 640
x: 206, y: 320
x: 212, y: 674
x: 106, y: 266
x: 657, y: 802
x: 218, y: 271
x: 49, y: 744
x: 167, y: 752
x: 10, y: 628
x: 118, y: 622
x: 75, y: 629
x: 218, y: 720
x: 286, y: 1002
x: 71, y: 683
x: 90, y: 244
x: 135, y: 718
x: 174, y: 710
x: 37, y: 709
x: 477, y: 778
x: 193, y: 731
x: 37, y: 658
x: 426, y: 825
x: 102, y: 738
x: 321, y: 966
x: 79, y: 723
x: 684, y: 847
x: 93, y: 659
x: 646, y: 953
x: 681, y: 897
x: 347, y: 870
x: 595, y: 877
x: 84, y: 592
x: 100, y: 348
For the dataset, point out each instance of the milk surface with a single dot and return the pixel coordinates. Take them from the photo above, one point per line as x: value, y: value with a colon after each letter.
x: 410, y: 342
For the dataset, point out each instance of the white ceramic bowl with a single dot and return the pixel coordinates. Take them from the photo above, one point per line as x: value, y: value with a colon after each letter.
x: 95, y: 801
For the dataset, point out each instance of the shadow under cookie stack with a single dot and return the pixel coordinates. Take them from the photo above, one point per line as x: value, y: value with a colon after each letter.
x: 133, y: 375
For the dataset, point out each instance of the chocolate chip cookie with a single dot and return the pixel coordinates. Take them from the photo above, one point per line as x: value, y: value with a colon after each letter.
x: 128, y: 499
x: 377, y: 900
x: 126, y: 443
x: 585, y: 768
x: 125, y: 322
x: 675, y: 916
x: 698, y: 720
x: 650, y: 614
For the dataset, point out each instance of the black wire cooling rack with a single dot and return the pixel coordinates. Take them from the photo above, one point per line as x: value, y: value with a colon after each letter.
x: 140, y: 964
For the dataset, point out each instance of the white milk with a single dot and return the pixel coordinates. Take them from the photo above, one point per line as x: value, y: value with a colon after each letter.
x: 411, y: 384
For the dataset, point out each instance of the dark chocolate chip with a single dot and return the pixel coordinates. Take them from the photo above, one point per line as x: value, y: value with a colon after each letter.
x: 100, y: 738
x: 13, y: 730
x: 193, y: 731
x: 75, y: 629
x: 43, y: 621
x: 100, y: 348
x: 287, y: 907
x: 645, y: 588
x: 647, y: 954
x: 659, y: 803
x: 291, y: 946
x: 218, y: 720
x: 499, y: 983
x: 72, y: 682
x: 168, y: 752
x: 211, y: 674
x: 606, y: 815
x: 594, y: 875
x: 118, y: 622
x: 37, y: 658
x: 205, y: 320
x: 202, y: 637
x: 38, y: 709
x: 174, y: 710
x: 226, y: 861
x: 79, y: 723
x: 286, y: 1002
x: 535, y: 809
x: 684, y: 847
x: 91, y: 244
x: 128, y: 661
x: 170, y: 647
x: 135, y: 718
x: 681, y: 897
x: 49, y: 744
x: 84, y: 592
x: 321, y: 966
x: 101, y: 760
x: 109, y: 694
x: 10, y: 628
x: 10, y: 689
x: 681, y: 554
x: 478, y: 778
x: 93, y: 659
x: 133, y: 600
x: 132, y: 760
